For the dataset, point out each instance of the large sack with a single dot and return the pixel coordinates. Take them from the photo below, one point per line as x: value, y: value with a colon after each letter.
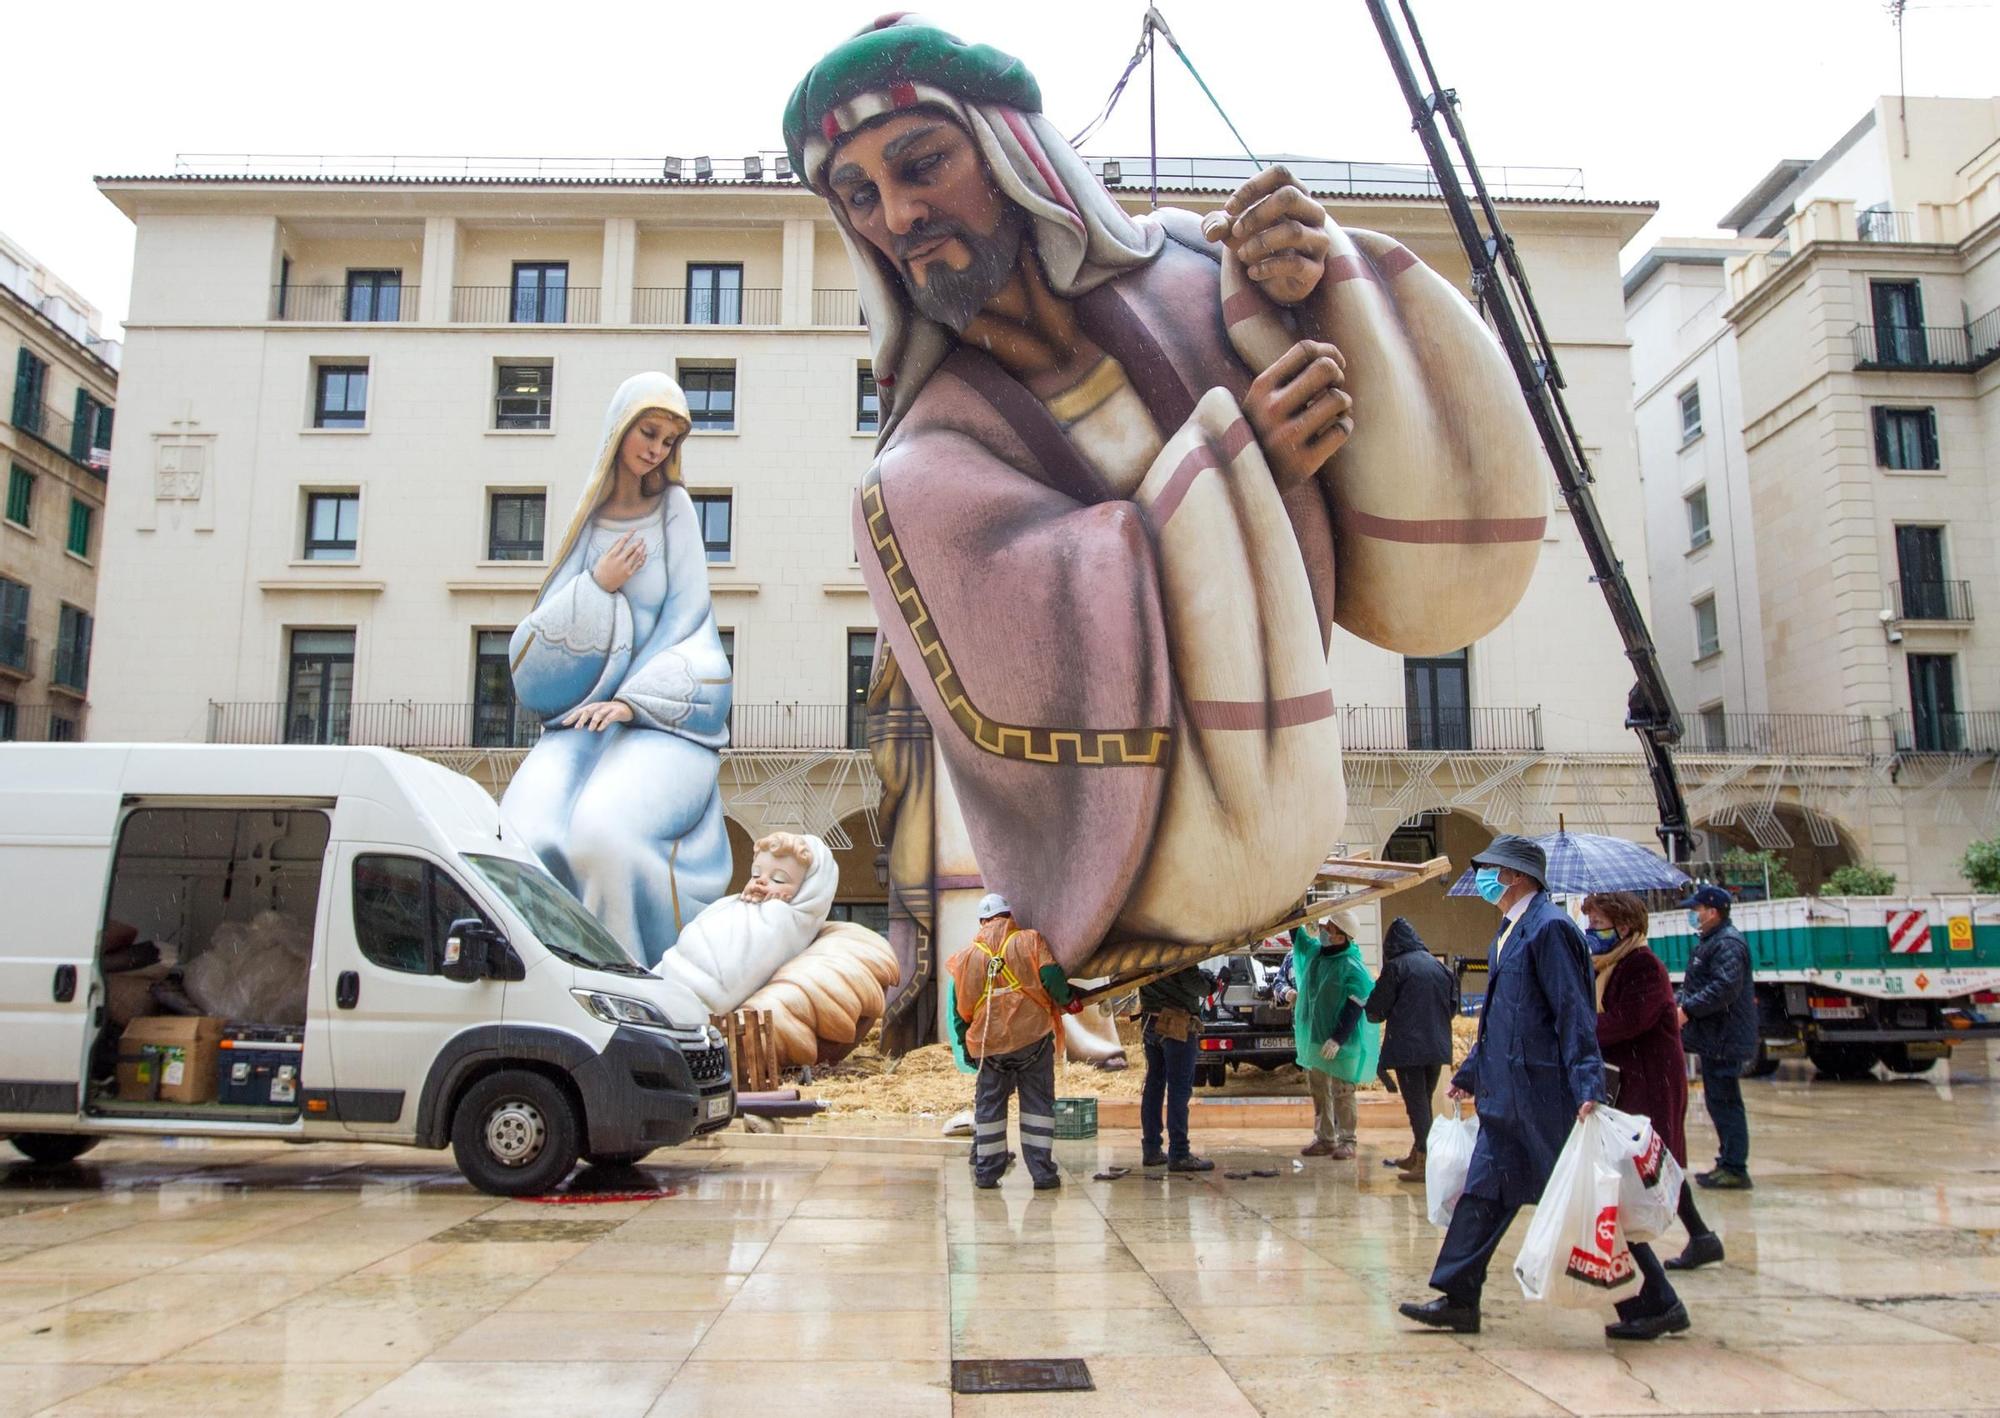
x: 1447, y: 1161
x: 255, y: 973
x: 1575, y: 1253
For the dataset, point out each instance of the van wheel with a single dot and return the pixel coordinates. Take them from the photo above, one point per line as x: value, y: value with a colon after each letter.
x: 53, y: 1148
x: 515, y: 1134
x: 618, y: 1159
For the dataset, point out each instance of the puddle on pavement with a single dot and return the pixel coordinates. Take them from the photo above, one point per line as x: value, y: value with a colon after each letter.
x: 482, y: 1232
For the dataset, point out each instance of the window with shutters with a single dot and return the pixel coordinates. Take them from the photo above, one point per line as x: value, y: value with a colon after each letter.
x: 1899, y: 322
x: 1935, y: 724
x: 1696, y: 503
x: 70, y: 666
x: 31, y: 379
x: 711, y: 395
x: 20, y: 495
x: 524, y: 395
x: 14, y: 648
x: 1923, y: 589
x: 83, y: 428
x: 80, y: 517
x: 10, y: 722
x: 1713, y: 729
x: 515, y: 522
x: 62, y: 728
x: 1906, y: 439
x: 715, y: 513
x: 340, y: 396
x: 1707, y: 629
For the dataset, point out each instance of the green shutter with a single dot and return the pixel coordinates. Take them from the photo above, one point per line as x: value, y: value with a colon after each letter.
x: 24, y: 380
x: 79, y: 527
x: 103, y: 439
x: 80, y: 426
x: 20, y: 494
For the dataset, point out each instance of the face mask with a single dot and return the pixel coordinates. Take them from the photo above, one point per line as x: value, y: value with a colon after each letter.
x: 1694, y: 922
x: 1486, y: 881
x: 1602, y: 941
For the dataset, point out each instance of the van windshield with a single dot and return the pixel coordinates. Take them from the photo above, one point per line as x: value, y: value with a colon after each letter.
x: 555, y: 916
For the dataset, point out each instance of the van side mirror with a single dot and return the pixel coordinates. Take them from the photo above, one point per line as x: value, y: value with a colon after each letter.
x: 473, y: 950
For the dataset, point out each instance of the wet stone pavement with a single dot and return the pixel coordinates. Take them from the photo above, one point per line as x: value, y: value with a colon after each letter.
x: 776, y: 1275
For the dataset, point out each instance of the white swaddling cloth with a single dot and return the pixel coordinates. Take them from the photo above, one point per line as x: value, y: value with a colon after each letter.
x: 731, y: 949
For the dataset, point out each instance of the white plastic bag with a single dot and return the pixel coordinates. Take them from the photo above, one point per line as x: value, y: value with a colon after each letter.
x: 1649, y: 1180
x: 1575, y: 1255
x: 1447, y: 1158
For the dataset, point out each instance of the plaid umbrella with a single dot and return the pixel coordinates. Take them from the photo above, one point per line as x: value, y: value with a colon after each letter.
x: 1582, y: 862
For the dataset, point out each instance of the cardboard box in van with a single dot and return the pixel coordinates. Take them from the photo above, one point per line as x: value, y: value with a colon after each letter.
x: 169, y: 1057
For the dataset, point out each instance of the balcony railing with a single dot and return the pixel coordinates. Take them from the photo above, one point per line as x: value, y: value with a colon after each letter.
x: 821, y: 727
x: 506, y: 305
x: 69, y: 668
x: 1779, y: 735
x: 837, y: 308
x: 17, y: 651
x: 49, y: 425
x: 42, y: 723
x: 413, y: 725
x: 1933, y: 731
x: 1367, y: 728
x: 328, y: 305
x: 1931, y: 600
x: 1881, y: 225
x: 677, y: 305
x: 1945, y: 347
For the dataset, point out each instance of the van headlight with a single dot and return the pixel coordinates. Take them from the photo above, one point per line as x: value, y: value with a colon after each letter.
x: 620, y: 1009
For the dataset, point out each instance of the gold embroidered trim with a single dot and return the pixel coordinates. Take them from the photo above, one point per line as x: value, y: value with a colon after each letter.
x: 1098, y: 748
x: 1081, y: 400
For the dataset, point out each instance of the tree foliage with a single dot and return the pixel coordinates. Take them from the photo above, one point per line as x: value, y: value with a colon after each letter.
x: 1981, y: 864
x: 1741, y: 867
x: 1862, y: 880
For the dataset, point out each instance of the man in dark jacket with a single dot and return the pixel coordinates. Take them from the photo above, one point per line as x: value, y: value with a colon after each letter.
x: 1171, y: 1008
x: 1535, y: 1071
x: 1719, y: 1027
x: 1414, y: 1000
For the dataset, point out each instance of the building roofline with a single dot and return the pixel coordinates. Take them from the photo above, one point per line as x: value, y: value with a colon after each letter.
x: 82, y: 350
x: 1763, y: 193
x: 106, y: 182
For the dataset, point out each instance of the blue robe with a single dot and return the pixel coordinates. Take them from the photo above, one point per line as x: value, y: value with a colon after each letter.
x: 630, y: 819
x: 1536, y: 1061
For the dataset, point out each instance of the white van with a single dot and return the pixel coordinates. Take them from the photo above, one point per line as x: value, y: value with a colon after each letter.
x: 429, y: 981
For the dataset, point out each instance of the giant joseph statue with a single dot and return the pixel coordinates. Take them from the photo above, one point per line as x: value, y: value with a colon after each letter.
x: 1132, y: 471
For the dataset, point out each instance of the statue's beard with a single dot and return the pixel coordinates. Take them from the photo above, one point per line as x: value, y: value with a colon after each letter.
x: 953, y: 298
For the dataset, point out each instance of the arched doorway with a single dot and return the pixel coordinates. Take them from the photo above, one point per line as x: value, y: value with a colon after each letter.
x: 1801, y: 844
x: 1460, y: 926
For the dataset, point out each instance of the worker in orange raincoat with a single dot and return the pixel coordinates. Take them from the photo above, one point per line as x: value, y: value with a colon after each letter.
x: 1007, y: 990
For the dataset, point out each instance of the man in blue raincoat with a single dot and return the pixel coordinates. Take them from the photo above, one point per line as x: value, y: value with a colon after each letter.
x: 1535, y: 1072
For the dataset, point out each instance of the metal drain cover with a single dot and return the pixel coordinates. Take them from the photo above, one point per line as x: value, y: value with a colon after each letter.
x: 1020, y: 1376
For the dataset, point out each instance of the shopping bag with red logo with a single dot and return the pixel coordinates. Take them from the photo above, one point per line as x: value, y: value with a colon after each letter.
x: 1574, y: 1254
x: 1649, y: 1180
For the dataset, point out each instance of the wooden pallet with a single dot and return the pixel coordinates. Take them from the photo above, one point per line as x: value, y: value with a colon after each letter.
x: 753, y: 1049
x: 1340, y: 883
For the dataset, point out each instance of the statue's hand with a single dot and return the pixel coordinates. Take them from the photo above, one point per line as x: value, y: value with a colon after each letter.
x: 1277, y: 231
x: 597, y: 717
x: 1300, y: 413
x: 615, y: 567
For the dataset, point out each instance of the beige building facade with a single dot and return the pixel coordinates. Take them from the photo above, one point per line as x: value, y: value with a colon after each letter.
x: 55, y: 463
x: 1819, y: 437
x: 365, y: 408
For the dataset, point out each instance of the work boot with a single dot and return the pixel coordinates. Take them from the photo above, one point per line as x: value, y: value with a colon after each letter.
x: 1188, y: 1162
x: 1443, y: 1313
x: 1705, y: 1249
x: 1725, y: 1179
x: 1341, y: 1152
x: 1405, y: 1160
x: 1048, y: 1184
x: 1316, y: 1148
x: 1418, y: 1169
x: 1650, y: 1326
x: 1153, y: 1159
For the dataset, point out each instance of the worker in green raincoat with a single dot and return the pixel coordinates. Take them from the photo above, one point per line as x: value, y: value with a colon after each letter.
x: 1337, y: 1044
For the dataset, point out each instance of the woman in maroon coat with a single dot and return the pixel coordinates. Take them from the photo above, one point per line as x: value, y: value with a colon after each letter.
x: 1639, y: 1032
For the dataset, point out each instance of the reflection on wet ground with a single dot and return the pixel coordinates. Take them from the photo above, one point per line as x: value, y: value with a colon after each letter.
x: 191, y: 1277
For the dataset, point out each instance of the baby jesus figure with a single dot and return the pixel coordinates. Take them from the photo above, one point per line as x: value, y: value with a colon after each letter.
x: 770, y: 947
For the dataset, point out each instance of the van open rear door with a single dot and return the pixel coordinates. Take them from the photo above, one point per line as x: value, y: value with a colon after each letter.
x: 55, y: 849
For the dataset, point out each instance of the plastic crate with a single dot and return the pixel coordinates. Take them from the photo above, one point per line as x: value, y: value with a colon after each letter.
x: 1076, y: 1117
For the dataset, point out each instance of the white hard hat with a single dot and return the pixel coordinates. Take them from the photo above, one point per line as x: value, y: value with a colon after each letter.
x: 993, y: 904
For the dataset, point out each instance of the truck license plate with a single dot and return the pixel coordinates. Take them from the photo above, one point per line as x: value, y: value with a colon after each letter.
x: 720, y: 1107
x: 1276, y: 1041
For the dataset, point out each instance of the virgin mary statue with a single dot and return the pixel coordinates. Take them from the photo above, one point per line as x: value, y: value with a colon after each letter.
x: 621, y: 659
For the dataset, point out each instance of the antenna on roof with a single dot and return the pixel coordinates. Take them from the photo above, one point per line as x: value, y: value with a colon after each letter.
x: 1895, y: 9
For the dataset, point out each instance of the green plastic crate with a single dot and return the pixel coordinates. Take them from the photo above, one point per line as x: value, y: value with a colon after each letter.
x: 1076, y: 1117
